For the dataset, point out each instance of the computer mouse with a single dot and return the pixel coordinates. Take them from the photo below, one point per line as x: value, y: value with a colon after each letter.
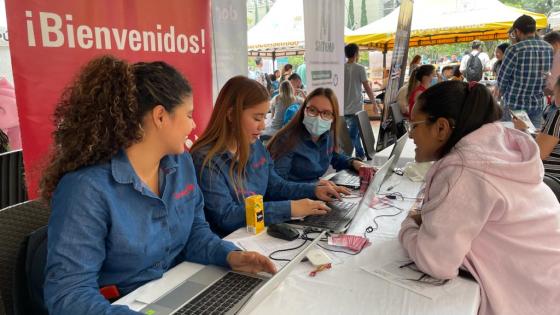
x: 282, y: 231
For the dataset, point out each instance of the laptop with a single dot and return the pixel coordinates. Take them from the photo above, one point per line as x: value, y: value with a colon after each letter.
x: 218, y: 290
x: 342, y: 212
x: 396, y: 153
x: 347, y: 178
x: 350, y: 179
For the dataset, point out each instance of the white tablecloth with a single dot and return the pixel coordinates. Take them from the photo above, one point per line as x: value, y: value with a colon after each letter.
x: 347, y: 288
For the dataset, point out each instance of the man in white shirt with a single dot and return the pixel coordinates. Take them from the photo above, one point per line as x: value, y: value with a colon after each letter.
x: 476, y: 46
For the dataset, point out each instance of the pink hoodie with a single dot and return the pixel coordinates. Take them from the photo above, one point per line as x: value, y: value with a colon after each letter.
x: 487, y: 209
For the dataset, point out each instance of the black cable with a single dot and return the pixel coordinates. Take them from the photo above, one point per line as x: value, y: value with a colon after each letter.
x: 285, y: 250
x: 305, y: 238
x: 371, y: 229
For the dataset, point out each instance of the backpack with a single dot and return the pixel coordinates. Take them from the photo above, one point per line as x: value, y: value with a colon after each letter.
x: 473, y: 72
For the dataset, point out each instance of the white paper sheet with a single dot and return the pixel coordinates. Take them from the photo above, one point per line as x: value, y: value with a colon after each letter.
x: 406, y: 275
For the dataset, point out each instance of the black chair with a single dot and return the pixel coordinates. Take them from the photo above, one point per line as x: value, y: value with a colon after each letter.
x: 366, y: 134
x: 398, y: 119
x: 30, y: 274
x: 12, y: 183
x: 16, y: 223
x: 2, y: 308
x: 343, y: 135
x: 554, y: 184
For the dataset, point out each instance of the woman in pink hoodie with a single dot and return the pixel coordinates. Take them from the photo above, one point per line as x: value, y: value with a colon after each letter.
x: 486, y: 208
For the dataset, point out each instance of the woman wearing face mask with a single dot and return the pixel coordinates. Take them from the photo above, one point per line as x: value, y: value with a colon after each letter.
x: 232, y: 164
x: 486, y: 208
x: 420, y: 79
x: 304, y: 149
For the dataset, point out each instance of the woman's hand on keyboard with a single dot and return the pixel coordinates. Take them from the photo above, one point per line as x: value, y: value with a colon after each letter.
x: 327, y: 192
x: 305, y: 207
x: 324, y: 182
x: 251, y: 262
x: 342, y: 190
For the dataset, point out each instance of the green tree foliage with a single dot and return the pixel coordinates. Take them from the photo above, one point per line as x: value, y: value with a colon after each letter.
x: 256, y: 12
x: 363, y: 17
x: 539, y: 6
x: 350, y: 24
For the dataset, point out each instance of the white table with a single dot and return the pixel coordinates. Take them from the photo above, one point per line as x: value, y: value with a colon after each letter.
x: 347, y: 288
x: 407, y: 154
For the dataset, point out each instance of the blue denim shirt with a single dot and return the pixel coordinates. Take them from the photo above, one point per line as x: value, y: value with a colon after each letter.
x: 108, y: 228
x: 225, y: 209
x: 308, y: 160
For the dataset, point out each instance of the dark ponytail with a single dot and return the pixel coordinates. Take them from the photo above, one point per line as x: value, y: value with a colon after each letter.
x: 467, y: 106
x: 416, y: 77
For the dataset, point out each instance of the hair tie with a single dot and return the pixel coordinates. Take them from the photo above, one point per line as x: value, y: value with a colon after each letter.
x: 472, y: 84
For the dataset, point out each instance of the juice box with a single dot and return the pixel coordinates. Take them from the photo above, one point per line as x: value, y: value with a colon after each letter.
x: 254, y: 213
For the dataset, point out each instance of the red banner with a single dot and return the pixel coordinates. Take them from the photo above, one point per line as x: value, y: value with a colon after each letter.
x: 51, y: 40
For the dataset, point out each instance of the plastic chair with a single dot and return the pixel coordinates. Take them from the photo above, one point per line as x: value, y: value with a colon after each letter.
x: 344, y: 140
x: 30, y: 274
x: 398, y: 119
x: 12, y: 182
x: 366, y: 134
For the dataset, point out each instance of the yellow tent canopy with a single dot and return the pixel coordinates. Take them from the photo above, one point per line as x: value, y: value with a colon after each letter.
x: 437, y: 22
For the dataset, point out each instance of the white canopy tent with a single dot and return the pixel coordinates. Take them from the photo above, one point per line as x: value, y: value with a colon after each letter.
x: 280, y: 32
x: 554, y: 20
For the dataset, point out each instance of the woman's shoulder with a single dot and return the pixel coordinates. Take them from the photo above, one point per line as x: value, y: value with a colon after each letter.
x: 199, y: 155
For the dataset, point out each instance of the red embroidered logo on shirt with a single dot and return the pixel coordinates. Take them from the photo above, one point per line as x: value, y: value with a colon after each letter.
x: 259, y: 163
x: 185, y: 192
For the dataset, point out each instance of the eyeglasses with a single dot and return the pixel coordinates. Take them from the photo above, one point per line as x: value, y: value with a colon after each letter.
x: 313, y: 112
x: 413, y: 124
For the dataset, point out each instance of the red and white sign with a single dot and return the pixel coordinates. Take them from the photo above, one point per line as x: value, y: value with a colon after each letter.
x: 51, y: 40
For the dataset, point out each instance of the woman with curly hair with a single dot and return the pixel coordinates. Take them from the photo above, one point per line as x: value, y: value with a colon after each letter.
x: 126, y: 206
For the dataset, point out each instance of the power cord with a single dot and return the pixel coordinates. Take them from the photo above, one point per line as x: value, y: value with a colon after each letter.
x: 305, y: 237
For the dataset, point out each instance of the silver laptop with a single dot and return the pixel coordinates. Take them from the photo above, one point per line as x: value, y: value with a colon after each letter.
x: 342, y: 213
x: 349, y: 178
x: 396, y: 153
x: 217, y: 290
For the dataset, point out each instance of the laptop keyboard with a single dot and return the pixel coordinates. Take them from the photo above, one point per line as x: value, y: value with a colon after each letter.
x: 346, y: 179
x: 221, y: 296
x: 339, y: 210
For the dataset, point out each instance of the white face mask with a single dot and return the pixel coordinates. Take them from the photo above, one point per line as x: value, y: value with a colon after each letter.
x: 316, y: 126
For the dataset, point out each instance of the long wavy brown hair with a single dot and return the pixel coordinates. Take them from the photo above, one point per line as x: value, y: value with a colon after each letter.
x: 225, y: 129
x: 101, y: 112
x: 287, y: 137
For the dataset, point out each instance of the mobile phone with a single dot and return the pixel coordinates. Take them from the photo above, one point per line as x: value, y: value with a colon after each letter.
x: 512, y: 114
